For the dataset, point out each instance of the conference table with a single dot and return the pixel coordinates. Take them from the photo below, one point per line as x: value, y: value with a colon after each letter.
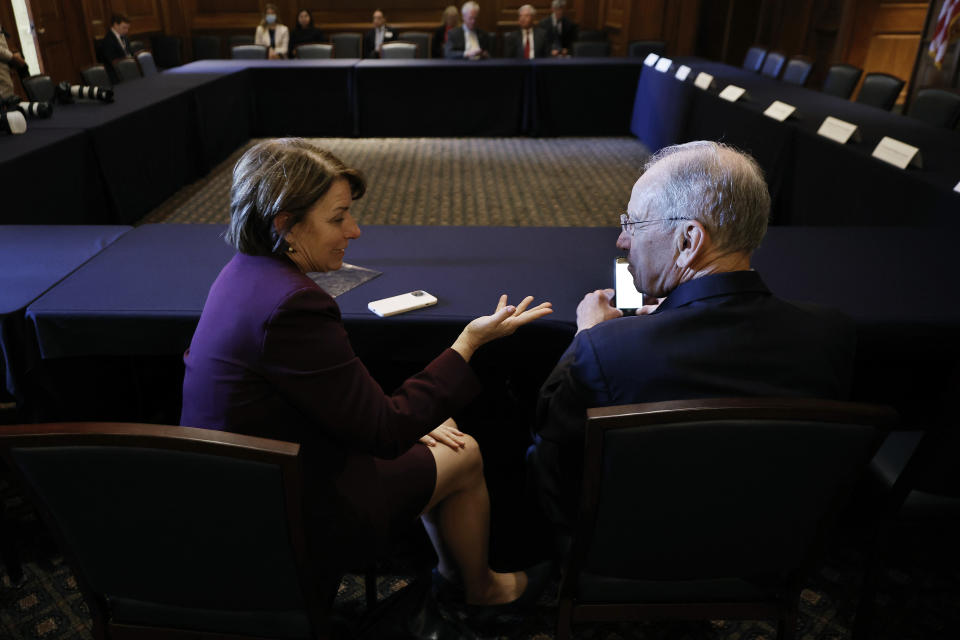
x: 142, y: 296
x: 33, y: 259
x: 813, y: 180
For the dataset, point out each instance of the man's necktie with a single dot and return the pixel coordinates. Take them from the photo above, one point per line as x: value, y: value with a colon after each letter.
x: 526, y: 43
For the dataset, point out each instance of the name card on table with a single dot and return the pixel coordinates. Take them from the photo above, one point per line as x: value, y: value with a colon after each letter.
x: 683, y: 72
x: 779, y: 111
x: 732, y: 93
x: 838, y: 130
x: 899, y: 154
x: 663, y: 65
x: 703, y: 80
x: 957, y: 188
x: 651, y: 59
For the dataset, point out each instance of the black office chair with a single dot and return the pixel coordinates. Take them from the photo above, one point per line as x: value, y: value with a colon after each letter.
x: 147, y: 64
x: 797, y: 70
x: 206, y: 48
x: 422, y: 39
x: 773, y: 65
x: 167, y: 51
x: 880, y: 90
x: 710, y: 509
x: 39, y: 88
x: 753, y: 61
x: 137, y: 46
x: 591, y: 35
x: 398, y: 50
x: 936, y: 107
x: 841, y: 80
x: 347, y: 45
x: 96, y: 76
x: 127, y: 69
x: 173, y: 531
x: 239, y: 39
x: 315, y: 51
x: 641, y: 48
x: 590, y: 49
x: 249, y: 52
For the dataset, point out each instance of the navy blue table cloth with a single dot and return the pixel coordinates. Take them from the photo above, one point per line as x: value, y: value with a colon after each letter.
x: 34, y: 258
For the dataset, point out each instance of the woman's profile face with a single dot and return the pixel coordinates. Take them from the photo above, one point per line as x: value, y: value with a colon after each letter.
x: 304, y: 19
x: 321, y: 238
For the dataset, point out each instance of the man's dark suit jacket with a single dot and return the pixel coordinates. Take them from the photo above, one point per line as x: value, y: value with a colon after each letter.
x: 513, y: 44
x: 370, y: 40
x: 111, y: 49
x: 567, y: 35
x: 721, y: 335
x: 456, y: 43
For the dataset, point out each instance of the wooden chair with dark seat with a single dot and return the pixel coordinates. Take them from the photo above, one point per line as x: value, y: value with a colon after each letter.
x: 347, y: 45
x: 710, y: 509
x: 127, y: 69
x: 39, y: 88
x: 841, y: 80
x: 773, y: 64
x: 248, y: 52
x: 753, y: 61
x: 641, y: 48
x: 936, y: 107
x: 797, y: 70
x: 174, y: 532
x: 880, y: 90
x: 96, y: 76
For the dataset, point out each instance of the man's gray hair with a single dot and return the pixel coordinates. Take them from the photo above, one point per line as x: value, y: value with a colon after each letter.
x: 527, y: 8
x: 718, y: 185
x: 558, y: 4
x: 469, y: 5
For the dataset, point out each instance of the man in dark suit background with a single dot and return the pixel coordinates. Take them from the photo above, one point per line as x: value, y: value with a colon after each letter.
x: 528, y: 41
x: 115, y: 44
x: 561, y: 31
x: 375, y: 37
x: 469, y: 41
x: 694, y: 218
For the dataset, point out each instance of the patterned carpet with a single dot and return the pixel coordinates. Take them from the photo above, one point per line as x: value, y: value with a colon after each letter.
x: 464, y: 181
x: 512, y: 182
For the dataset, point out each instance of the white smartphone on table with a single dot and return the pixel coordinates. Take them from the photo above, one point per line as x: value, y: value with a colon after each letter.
x: 404, y: 302
x: 627, y: 296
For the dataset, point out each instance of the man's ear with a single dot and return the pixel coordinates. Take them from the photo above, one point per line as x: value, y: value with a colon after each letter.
x: 692, y: 243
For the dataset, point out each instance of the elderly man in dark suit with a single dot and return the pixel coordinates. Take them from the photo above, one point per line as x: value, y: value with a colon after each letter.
x: 380, y: 33
x: 528, y: 41
x: 561, y: 31
x: 115, y: 44
x: 469, y: 41
x: 714, y: 329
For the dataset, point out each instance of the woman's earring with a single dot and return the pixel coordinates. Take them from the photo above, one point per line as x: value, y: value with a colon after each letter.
x: 291, y: 249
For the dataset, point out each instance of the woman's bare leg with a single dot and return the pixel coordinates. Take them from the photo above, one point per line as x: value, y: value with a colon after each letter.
x: 457, y: 519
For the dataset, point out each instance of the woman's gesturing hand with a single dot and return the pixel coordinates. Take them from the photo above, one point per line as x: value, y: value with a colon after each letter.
x: 502, y: 322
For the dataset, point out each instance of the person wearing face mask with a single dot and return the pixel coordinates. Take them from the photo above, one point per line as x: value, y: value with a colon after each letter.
x: 272, y: 34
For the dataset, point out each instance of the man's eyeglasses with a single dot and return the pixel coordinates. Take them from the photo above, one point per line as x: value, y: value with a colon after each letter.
x: 626, y: 222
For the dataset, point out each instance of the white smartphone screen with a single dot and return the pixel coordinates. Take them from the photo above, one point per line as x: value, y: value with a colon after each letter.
x: 627, y: 295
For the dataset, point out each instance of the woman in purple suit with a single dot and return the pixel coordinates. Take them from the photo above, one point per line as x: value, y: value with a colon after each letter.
x: 270, y: 357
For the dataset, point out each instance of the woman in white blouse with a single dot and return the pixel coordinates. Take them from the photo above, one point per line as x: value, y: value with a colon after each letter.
x: 273, y: 35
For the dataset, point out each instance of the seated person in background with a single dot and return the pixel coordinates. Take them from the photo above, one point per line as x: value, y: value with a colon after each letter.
x: 695, y: 217
x: 270, y: 357
x: 374, y: 38
x: 560, y: 30
x: 304, y: 32
x: 450, y: 19
x: 529, y: 41
x: 272, y: 34
x: 115, y: 44
x: 8, y: 60
x: 469, y: 41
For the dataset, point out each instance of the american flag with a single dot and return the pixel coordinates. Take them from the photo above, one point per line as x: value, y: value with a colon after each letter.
x: 941, y: 37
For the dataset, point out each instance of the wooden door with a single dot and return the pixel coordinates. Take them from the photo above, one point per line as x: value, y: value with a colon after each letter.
x: 65, y: 47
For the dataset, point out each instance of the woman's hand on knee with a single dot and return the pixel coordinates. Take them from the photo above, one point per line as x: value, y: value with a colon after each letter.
x: 448, y: 434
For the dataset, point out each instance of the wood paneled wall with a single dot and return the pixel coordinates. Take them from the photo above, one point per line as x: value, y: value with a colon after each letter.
x: 674, y: 21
